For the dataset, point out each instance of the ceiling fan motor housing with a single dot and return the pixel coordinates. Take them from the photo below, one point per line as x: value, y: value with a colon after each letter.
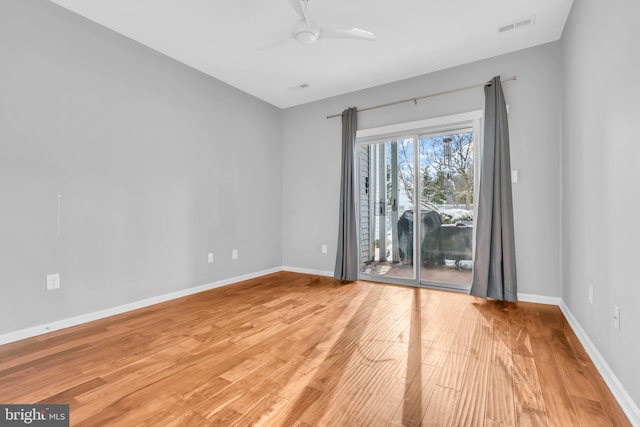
x: 306, y: 32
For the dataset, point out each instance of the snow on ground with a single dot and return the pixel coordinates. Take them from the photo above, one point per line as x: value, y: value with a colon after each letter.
x: 455, y: 215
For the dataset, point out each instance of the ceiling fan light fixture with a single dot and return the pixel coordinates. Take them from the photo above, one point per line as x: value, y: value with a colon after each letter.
x: 306, y: 31
x: 306, y: 37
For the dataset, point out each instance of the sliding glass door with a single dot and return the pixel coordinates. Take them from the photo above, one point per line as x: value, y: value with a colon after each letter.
x: 386, y: 201
x: 419, y: 184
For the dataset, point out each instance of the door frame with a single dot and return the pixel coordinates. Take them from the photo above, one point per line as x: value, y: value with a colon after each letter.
x: 415, y: 130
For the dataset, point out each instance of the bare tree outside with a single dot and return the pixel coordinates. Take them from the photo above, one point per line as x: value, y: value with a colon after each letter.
x: 446, y: 169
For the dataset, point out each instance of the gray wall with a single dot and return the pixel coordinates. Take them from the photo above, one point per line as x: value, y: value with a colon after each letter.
x: 601, y: 176
x: 311, y: 157
x: 157, y: 164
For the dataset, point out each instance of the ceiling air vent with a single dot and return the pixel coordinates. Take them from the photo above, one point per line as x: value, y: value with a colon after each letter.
x: 520, y: 23
x: 526, y: 21
x: 506, y: 28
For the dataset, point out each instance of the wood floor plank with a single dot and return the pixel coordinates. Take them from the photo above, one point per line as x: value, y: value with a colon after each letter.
x: 187, y: 419
x: 417, y: 397
x: 471, y: 408
x: 591, y: 413
x: 572, y: 372
x: 290, y: 349
x: 435, y: 357
x: 610, y: 406
x: 264, y: 382
x: 453, y: 371
x: 264, y: 410
x: 222, y: 418
x: 439, y: 411
x: 75, y: 391
x: 557, y: 401
x: 344, y: 409
x: 309, y: 406
x: 500, y: 394
x: 529, y: 403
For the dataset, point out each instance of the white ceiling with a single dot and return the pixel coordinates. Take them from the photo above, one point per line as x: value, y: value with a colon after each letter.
x: 223, y: 38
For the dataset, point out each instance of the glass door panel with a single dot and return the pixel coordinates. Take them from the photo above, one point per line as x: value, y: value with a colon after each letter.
x: 446, y: 207
x: 386, y: 194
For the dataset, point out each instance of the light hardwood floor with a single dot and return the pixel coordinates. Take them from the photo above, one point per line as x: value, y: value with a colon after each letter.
x: 297, y: 350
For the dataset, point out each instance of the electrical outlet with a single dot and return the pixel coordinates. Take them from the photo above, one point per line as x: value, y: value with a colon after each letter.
x: 616, y: 317
x: 210, y: 257
x: 590, y: 294
x: 53, y: 281
x: 234, y: 254
x: 514, y: 176
x: 324, y: 249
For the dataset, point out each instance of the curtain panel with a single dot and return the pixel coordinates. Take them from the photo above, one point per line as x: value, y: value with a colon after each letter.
x: 347, y: 253
x: 494, y: 267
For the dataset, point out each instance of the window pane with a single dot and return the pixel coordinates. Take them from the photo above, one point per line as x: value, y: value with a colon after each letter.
x: 446, y: 210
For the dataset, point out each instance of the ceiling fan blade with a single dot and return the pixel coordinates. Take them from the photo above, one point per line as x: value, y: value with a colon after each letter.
x: 297, y: 6
x: 352, y: 33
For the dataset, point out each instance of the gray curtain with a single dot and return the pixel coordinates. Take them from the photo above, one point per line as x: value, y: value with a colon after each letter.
x: 347, y: 254
x: 494, y: 268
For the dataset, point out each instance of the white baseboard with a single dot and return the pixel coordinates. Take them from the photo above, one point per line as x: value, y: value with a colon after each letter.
x: 540, y: 299
x: 101, y: 314
x: 308, y: 271
x: 617, y: 389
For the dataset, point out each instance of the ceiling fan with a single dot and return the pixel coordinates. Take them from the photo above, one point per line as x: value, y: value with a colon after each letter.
x: 307, y: 31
